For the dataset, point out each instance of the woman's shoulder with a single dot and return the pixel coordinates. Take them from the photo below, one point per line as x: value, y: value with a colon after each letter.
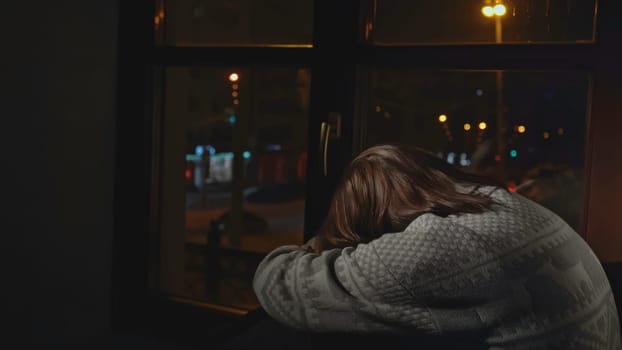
x: 429, y: 248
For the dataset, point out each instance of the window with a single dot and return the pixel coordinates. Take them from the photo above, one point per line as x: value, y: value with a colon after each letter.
x: 235, y: 23
x: 482, y: 22
x: 233, y: 175
x: 229, y: 160
x: 524, y: 128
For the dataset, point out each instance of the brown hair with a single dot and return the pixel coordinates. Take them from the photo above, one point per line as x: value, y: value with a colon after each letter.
x: 387, y: 186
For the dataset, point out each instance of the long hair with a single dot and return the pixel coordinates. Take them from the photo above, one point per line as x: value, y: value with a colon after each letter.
x: 387, y: 186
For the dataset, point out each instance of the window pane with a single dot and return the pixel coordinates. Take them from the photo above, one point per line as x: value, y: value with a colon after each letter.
x: 233, y: 177
x: 477, y: 22
x: 524, y: 128
x: 235, y: 22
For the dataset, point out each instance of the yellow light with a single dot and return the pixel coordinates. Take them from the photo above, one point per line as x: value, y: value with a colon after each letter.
x: 234, y: 94
x: 546, y: 135
x: 442, y: 118
x: 236, y: 102
x: 482, y: 126
x: 234, y: 86
x: 499, y: 10
x: 233, y: 77
x: 488, y: 11
x: 521, y: 129
x: 467, y: 127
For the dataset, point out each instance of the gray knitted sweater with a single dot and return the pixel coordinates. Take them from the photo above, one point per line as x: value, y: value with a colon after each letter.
x: 518, y: 274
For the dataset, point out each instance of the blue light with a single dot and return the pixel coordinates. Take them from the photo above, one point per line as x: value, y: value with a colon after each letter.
x: 246, y: 154
x: 198, y: 150
x: 463, y: 160
x: 232, y: 119
x: 450, y: 157
x: 210, y: 149
x: 513, y: 153
x: 224, y: 155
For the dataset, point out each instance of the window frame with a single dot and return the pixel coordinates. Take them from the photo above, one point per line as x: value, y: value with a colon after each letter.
x: 339, y: 61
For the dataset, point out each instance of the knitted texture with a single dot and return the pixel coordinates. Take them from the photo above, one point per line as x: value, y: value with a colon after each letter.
x: 518, y: 274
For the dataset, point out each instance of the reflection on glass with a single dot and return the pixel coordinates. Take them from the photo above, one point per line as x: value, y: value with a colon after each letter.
x: 484, y: 21
x: 234, y: 22
x: 233, y: 177
x: 524, y: 128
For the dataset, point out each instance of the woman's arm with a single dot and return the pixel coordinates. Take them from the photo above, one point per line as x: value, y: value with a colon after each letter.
x: 346, y: 289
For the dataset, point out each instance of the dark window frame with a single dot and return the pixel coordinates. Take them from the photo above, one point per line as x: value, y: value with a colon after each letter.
x: 338, y: 61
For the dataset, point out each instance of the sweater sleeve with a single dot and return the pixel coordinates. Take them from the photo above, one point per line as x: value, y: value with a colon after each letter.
x: 340, y: 290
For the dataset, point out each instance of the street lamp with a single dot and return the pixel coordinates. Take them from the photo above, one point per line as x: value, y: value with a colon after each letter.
x: 496, y: 10
x: 499, y: 10
x: 233, y: 77
x: 488, y: 11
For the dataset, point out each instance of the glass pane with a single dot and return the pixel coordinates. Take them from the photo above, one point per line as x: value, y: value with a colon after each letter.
x: 484, y: 21
x: 233, y: 177
x: 526, y: 129
x: 235, y: 22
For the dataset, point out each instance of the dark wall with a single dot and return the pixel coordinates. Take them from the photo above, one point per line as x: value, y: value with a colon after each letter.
x: 57, y: 111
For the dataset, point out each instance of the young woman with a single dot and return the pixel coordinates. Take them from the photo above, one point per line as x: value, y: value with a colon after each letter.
x: 415, y: 248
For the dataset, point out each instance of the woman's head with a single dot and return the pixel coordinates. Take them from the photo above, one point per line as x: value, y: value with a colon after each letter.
x: 387, y: 186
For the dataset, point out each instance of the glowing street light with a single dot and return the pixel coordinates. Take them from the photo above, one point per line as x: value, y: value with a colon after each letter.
x: 467, y: 127
x: 442, y: 118
x: 482, y: 126
x: 521, y: 129
x: 499, y: 10
x: 233, y: 77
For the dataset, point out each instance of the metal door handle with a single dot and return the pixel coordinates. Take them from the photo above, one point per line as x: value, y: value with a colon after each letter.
x: 324, y: 135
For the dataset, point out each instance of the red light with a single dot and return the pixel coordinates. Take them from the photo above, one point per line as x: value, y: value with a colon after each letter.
x: 497, y: 158
x: 512, y: 187
x: 189, y: 172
